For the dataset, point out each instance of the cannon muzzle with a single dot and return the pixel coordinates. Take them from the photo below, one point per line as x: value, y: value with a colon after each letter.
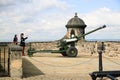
x: 104, y: 26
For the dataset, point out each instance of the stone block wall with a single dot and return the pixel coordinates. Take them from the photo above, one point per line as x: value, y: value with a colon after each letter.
x: 15, y: 61
x: 45, y: 45
x: 86, y: 47
x: 112, y: 48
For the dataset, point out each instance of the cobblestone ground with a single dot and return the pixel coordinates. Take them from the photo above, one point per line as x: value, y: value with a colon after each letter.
x: 57, y: 67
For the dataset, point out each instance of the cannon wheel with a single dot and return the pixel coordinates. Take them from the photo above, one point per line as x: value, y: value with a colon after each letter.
x: 72, y: 52
x: 63, y: 53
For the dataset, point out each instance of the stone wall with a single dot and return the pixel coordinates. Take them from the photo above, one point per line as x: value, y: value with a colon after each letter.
x: 86, y: 47
x: 10, y: 54
x: 15, y: 61
x: 45, y: 45
x: 111, y: 48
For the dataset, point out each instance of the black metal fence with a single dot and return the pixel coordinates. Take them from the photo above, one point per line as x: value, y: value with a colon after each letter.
x: 4, y: 60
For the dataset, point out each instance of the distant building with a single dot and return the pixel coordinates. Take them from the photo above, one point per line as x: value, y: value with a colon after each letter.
x: 75, y: 26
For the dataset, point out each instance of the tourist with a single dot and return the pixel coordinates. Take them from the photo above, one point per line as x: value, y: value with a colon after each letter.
x: 15, y: 39
x: 22, y: 43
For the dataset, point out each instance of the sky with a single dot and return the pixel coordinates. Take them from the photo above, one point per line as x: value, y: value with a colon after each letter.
x: 45, y: 20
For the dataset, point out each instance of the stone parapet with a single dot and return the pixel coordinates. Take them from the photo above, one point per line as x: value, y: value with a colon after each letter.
x: 15, y: 61
x: 84, y: 47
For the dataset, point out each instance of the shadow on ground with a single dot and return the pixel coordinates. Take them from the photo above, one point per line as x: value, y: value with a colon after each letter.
x: 29, y: 70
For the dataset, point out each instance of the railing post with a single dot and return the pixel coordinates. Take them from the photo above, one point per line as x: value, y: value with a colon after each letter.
x: 100, y: 61
x: 100, y: 48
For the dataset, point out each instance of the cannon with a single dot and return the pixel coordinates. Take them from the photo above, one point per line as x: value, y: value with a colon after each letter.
x: 66, y: 46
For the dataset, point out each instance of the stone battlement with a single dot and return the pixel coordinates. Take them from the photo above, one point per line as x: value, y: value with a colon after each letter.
x: 84, y: 47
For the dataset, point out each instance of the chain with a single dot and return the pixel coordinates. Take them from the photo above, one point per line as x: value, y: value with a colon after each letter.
x: 111, y: 60
x: 84, y: 62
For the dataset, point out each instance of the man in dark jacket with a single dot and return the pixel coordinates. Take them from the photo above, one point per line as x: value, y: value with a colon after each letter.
x: 15, y: 39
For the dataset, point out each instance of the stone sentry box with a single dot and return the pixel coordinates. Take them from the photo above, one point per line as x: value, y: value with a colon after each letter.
x: 15, y: 61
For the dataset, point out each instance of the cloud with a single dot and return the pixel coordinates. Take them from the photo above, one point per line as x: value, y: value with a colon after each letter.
x: 100, y: 17
x: 32, y: 18
x: 46, y: 20
x: 6, y: 2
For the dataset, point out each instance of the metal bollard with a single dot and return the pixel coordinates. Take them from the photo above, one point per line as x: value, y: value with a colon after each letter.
x: 100, y: 49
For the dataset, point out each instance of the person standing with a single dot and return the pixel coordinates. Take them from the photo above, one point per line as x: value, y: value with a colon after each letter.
x: 15, y: 39
x: 22, y: 43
